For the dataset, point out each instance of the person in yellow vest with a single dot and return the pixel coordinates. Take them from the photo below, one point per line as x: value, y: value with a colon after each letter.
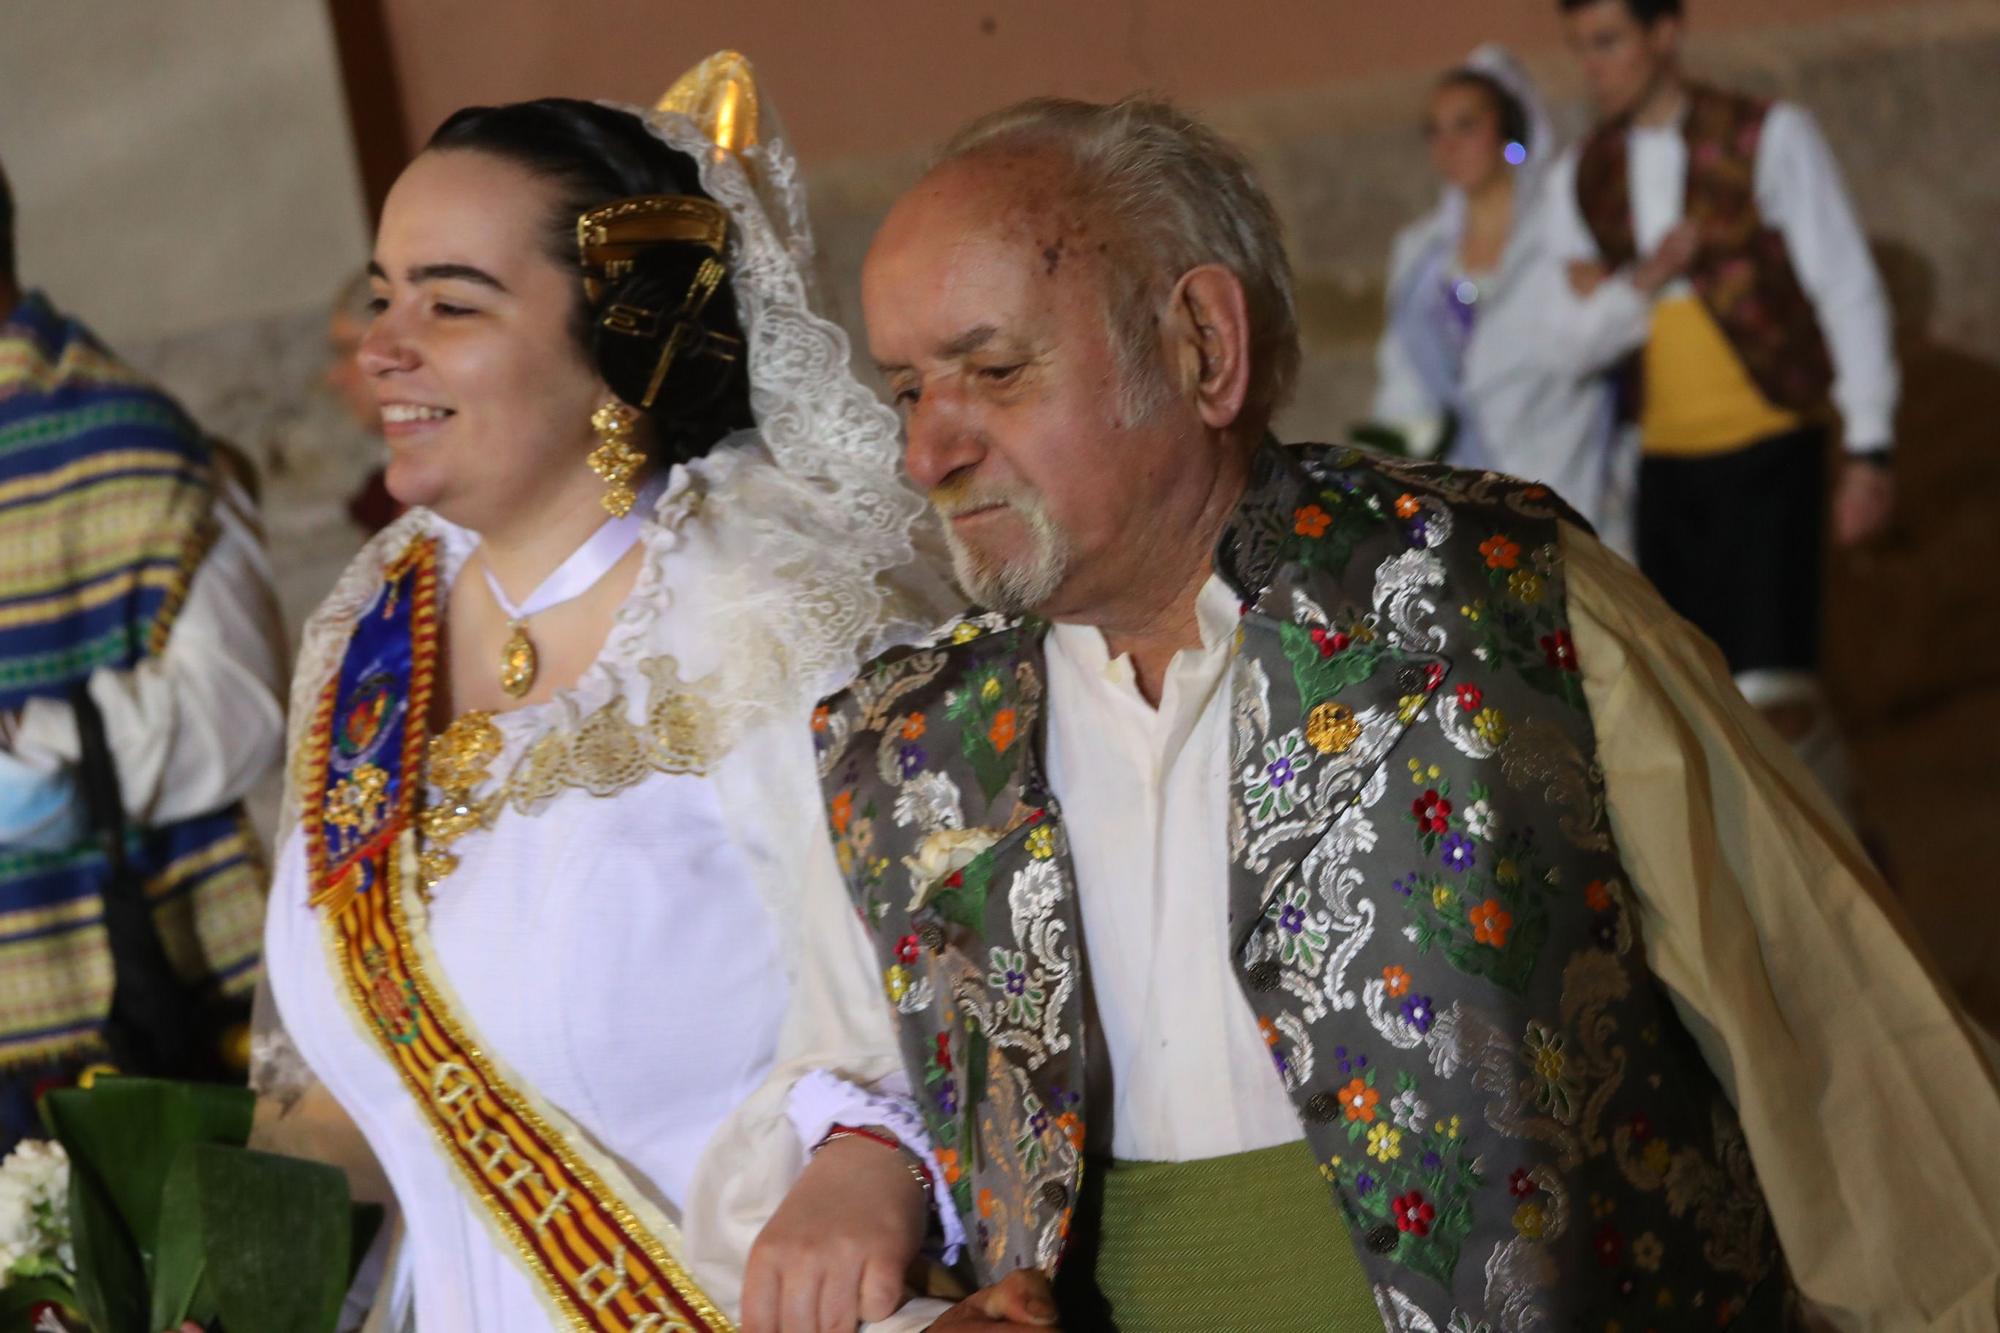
x: 1774, y: 315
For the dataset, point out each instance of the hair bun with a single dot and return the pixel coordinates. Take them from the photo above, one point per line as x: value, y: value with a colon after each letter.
x: 662, y: 304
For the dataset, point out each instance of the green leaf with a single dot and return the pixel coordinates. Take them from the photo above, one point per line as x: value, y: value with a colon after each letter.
x: 110, y: 1278
x: 125, y: 1132
x: 965, y: 903
x: 274, y: 1236
x: 1321, y: 678
x: 177, y: 1267
x: 975, y: 1093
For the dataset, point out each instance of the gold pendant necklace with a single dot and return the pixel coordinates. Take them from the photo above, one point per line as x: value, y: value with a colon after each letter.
x: 517, y: 661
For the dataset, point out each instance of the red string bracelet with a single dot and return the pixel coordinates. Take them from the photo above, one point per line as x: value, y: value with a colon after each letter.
x: 918, y: 1171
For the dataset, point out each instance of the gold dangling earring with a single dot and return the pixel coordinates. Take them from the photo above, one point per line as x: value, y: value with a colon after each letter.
x: 614, y: 458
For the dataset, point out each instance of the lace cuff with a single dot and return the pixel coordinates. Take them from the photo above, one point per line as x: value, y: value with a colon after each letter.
x: 822, y: 1099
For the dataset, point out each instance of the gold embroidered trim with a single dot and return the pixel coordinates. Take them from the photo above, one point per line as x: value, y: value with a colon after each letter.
x: 602, y: 1265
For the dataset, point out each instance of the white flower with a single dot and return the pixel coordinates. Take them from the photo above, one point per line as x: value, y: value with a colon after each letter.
x: 1481, y: 821
x: 930, y: 801
x: 1409, y: 1111
x: 34, y: 1206
x: 946, y: 850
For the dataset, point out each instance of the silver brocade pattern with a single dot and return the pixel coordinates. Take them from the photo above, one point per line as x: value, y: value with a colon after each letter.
x: 1428, y: 914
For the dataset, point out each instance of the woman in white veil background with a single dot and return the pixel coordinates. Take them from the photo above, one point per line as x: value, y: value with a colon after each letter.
x: 537, y: 927
x: 1469, y: 362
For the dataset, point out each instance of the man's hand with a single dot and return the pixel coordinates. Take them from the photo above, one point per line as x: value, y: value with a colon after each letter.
x: 1586, y: 276
x: 1669, y: 259
x: 835, y: 1252
x: 1863, y: 500
x: 1021, y: 1301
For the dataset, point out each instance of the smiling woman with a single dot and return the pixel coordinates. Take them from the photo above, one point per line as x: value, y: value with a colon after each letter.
x: 586, y: 776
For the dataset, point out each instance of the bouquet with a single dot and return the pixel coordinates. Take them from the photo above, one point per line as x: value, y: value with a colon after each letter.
x: 37, y: 1260
x: 147, y: 1212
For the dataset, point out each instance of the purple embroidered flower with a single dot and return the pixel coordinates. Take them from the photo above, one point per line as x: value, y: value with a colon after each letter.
x: 1280, y: 770
x: 1038, y: 1123
x: 1415, y: 531
x: 1279, y: 1060
x: 1431, y: 1161
x: 947, y: 1098
x: 1364, y: 1183
x: 911, y: 758
x: 1406, y: 885
x: 1292, y: 919
x: 1419, y: 1013
x: 1457, y: 853
x: 1016, y: 981
x: 1349, y: 1065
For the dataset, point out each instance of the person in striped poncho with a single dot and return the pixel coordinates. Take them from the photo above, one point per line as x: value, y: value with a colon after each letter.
x: 134, y: 596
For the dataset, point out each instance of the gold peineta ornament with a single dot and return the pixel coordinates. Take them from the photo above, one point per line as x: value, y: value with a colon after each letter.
x: 720, y: 96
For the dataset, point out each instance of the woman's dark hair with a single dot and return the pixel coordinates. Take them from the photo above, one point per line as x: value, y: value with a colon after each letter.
x: 1507, y: 108
x: 596, y: 154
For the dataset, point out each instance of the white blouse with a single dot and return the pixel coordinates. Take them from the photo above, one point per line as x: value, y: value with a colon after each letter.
x: 633, y: 957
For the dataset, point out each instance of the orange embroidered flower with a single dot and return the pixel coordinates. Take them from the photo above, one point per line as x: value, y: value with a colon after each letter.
x: 1407, y: 506
x: 843, y: 811
x: 1071, y: 1127
x: 986, y: 1203
x: 1358, y: 1100
x: 1597, y: 895
x: 914, y: 727
x: 947, y: 1159
x: 1490, y: 923
x: 1311, y: 521
x: 1001, y: 732
x: 1269, y: 1029
x: 1396, y: 980
x: 820, y: 716
x: 1500, y: 553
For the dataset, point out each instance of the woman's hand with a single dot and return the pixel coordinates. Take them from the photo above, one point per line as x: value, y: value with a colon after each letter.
x: 835, y: 1252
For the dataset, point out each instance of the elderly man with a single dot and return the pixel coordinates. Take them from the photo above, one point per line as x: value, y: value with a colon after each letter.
x: 1321, y: 892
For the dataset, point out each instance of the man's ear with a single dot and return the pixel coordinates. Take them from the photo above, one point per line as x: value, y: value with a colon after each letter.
x: 1208, y: 320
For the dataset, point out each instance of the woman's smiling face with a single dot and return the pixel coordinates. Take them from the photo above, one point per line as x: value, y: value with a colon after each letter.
x: 484, y: 390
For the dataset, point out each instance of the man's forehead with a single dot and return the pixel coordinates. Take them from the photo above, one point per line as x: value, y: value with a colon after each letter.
x: 1005, y: 233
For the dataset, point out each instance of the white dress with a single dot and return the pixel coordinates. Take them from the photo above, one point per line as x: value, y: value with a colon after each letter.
x: 633, y: 956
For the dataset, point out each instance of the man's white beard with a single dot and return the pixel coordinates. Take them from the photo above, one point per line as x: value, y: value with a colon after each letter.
x: 1020, y: 585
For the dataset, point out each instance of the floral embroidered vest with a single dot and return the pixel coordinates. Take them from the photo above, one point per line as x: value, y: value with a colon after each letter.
x: 1428, y: 917
x: 1743, y: 271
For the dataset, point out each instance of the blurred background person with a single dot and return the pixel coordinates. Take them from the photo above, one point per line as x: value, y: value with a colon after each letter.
x: 1469, y: 364
x: 371, y: 507
x: 140, y: 667
x: 1777, y: 320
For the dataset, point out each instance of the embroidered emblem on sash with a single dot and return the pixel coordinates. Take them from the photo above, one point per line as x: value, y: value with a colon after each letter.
x: 602, y: 1263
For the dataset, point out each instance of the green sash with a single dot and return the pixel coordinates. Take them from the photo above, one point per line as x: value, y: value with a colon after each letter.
x: 1248, y: 1241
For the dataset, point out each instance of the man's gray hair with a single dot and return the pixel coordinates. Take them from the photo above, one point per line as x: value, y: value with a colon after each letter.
x: 1182, y: 196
